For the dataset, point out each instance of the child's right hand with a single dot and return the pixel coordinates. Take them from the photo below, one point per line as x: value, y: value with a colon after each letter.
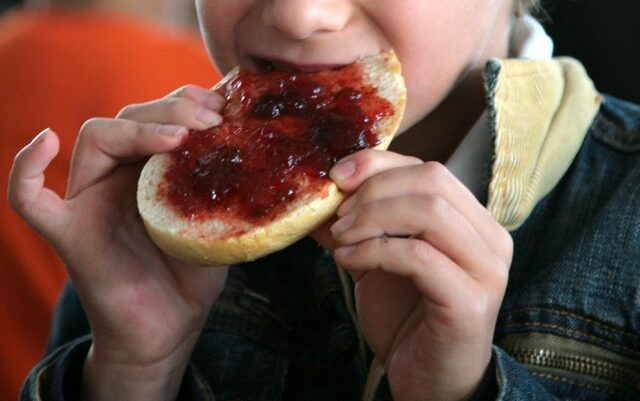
x: 145, y: 308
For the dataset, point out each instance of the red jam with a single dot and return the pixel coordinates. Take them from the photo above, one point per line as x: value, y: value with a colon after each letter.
x: 281, y: 129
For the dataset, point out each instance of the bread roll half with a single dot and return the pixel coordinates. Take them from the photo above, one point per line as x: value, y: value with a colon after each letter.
x: 218, y: 238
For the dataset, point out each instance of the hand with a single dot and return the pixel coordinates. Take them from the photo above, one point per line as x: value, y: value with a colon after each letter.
x: 430, y: 267
x: 145, y: 308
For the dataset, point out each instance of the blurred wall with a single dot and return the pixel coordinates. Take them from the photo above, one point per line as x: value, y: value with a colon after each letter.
x: 604, y: 35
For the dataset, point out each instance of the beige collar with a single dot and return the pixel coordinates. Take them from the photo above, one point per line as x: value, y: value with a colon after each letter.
x: 471, y: 160
x: 539, y: 113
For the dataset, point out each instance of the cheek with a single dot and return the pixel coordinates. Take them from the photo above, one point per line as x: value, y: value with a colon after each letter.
x: 437, y: 54
x: 428, y: 80
x: 218, y: 21
x: 430, y: 74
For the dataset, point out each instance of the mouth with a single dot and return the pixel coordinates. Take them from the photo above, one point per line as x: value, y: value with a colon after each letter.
x: 266, y: 65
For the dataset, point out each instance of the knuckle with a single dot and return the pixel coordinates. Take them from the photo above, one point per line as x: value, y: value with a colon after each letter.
x: 436, y: 171
x: 367, y: 158
x: 497, y: 272
x: 420, y: 252
x: 365, y: 252
x: 500, y: 267
x: 506, y: 245
x: 501, y: 241
x: 128, y: 111
x: 16, y: 200
x: 19, y: 204
x: 177, y: 106
x: 91, y: 127
x: 179, y: 109
x: 367, y: 212
x: 435, y: 205
x: 502, y: 274
x: 434, y: 167
x: 13, y: 201
x: 367, y: 247
x: 142, y: 129
x: 185, y: 91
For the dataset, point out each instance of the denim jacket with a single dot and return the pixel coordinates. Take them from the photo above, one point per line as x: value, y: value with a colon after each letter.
x: 569, y: 326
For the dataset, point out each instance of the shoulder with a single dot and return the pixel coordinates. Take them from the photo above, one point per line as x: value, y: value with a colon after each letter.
x: 609, y: 159
x: 607, y: 166
x: 617, y: 125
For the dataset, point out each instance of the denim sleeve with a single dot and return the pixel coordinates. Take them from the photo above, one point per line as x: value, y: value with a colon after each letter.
x: 59, y: 376
x: 506, y: 380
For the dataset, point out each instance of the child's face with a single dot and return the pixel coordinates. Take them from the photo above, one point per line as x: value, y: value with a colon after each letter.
x: 438, y: 42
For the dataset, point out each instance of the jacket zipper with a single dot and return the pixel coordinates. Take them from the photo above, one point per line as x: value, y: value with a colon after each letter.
x: 578, y: 364
x: 551, y: 353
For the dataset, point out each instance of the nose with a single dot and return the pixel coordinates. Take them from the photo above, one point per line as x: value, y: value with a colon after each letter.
x: 300, y: 19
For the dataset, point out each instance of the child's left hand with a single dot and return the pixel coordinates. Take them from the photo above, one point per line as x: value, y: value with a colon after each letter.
x: 430, y: 266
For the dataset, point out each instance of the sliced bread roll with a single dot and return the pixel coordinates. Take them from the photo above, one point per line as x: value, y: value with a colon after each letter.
x: 260, y: 181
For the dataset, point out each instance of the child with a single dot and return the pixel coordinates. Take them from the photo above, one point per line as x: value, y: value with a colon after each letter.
x: 430, y: 254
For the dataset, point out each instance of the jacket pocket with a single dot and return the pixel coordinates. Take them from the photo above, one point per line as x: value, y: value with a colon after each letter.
x: 572, y: 367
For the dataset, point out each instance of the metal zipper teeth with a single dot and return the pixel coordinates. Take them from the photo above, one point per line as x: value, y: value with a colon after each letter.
x: 588, y: 366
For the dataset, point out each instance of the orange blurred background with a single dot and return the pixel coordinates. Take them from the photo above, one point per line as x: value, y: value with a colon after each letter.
x: 59, y: 66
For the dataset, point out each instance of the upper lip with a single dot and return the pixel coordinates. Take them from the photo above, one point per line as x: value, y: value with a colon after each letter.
x: 264, y: 64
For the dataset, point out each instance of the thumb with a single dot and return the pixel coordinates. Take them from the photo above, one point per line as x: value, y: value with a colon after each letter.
x: 42, y: 208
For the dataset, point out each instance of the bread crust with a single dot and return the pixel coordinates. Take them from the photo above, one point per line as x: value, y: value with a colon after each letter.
x: 216, y: 244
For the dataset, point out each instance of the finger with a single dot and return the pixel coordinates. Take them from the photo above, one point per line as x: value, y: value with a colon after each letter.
x: 42, y: 208
x: 105, y: 143
x: 191, y: 106
x: 207, y: 97
x: 350, y: 172
x: 434, y: 179
x: 425, y: 217
x: 433, y: 274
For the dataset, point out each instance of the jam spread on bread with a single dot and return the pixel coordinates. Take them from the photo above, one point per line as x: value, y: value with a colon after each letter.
x: 282, y: 133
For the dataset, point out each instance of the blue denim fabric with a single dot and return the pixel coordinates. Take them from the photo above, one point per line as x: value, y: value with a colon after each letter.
x: 576, y: 266
x: 61, y: 376
x: 282, y: 331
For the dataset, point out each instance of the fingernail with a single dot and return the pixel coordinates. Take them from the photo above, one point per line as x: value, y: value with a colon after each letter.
x: 40, y: 137
x: 345, y: 250
x: 343, y: 224
x: 346, y: 206
x: 172, y: 130
x: 214, y: 101
x: 343, y: 170
x: 208, y: 117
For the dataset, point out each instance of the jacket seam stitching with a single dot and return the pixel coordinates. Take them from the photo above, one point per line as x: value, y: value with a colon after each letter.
x: 588, y: 320
x: 620, y: 139
x: 607, y: 121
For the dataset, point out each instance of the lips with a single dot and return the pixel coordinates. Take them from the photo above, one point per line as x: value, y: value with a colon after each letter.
x: 264, y: 65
